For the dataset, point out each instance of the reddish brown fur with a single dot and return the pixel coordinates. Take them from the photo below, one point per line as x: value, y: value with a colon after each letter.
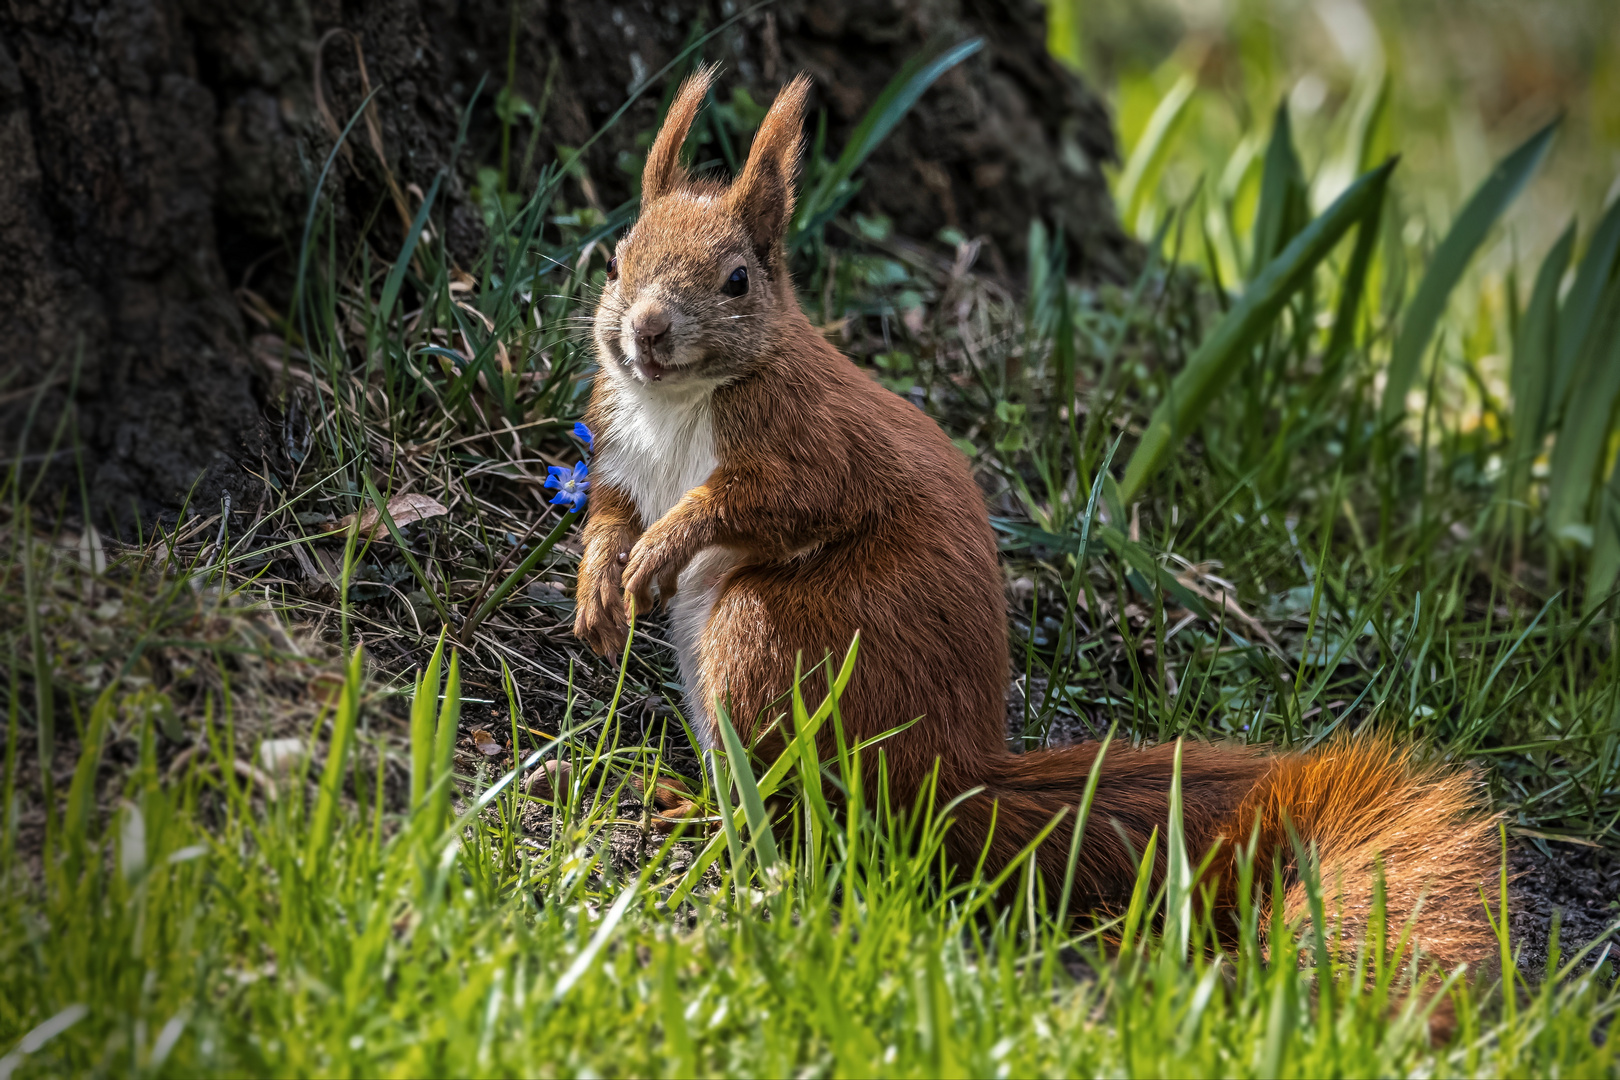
x: 833, y: 506
x: 663, y: 173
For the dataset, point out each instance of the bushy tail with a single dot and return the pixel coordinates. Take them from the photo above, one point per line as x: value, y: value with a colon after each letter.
x: 1022, y: 793
x: 1364, y: 803
x: 1367, y: 806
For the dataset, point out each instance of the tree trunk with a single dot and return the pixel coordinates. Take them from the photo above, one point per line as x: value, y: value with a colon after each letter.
x: 161, y: 153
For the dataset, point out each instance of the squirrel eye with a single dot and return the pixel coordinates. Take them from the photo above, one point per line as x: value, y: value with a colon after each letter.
x: 613, y: 268
x: 737, y: 283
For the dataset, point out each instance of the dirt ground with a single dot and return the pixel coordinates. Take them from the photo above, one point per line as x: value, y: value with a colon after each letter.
x: 1579, y: 881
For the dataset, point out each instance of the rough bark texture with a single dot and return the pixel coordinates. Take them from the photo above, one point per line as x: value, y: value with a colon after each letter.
x: 160, y: 154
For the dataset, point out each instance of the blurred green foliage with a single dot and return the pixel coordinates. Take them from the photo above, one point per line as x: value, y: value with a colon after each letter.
x: 1467, y: 80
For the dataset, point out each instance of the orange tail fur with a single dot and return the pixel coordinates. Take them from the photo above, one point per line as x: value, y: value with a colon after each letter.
x: 1367, y: 806
x: 1363, y: 803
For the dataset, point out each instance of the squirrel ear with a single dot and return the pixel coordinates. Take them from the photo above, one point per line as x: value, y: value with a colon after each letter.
x: 763, y: 195
x: 664, y: 172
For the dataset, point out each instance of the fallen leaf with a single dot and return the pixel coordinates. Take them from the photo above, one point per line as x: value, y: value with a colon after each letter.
x: 486, y: 744
x: 404, y: 509
x: 1197, y: 584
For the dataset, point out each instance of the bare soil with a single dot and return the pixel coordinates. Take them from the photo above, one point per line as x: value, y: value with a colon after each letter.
x: 1578, y: 882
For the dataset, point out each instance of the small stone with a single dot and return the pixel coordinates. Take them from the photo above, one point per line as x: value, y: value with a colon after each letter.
x: 549, y: 779
x: 279, y: 757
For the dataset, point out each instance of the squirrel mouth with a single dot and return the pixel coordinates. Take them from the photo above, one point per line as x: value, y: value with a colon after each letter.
x: 655, y: 371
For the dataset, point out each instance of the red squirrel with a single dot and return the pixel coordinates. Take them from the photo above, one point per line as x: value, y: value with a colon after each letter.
x: 780, y: 500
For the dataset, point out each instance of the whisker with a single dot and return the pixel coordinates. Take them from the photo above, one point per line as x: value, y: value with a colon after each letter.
x: 556, y: 261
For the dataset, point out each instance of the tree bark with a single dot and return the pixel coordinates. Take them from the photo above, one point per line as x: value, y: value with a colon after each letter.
x: 161, y: 155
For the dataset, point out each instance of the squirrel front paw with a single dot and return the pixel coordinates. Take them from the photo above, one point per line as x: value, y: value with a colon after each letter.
x: 600, y: 616
x: 659, y: 556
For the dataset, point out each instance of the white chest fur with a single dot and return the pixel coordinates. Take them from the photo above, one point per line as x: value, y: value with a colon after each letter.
x: 659, y: 445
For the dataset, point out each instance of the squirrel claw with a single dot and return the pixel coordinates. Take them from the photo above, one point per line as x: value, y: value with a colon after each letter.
x: 600, y: 621
x: 649, y: 563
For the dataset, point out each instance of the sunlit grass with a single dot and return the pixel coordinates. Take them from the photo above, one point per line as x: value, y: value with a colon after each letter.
x: 216, y: 926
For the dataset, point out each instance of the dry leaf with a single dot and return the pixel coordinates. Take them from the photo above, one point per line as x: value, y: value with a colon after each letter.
x: 404, y: 509
x: 486, y: 744
x: 1224, y: 599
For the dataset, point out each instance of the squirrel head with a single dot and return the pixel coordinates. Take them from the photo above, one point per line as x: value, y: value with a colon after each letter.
x: 696, y: 285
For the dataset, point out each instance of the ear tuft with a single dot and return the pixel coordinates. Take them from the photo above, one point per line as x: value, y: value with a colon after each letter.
x: 763, y: 195
x: 664, y: 172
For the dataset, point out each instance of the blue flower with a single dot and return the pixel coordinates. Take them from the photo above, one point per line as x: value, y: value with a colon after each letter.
x: 571, y: 486
x: 583, y: 434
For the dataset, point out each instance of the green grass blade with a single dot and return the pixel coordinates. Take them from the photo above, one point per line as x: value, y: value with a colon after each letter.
x: 1065, y: 39
x: 1351, y: 293
x: 1532, y: 376
x: 742, y: 774
x: 1148, y: 156
x: 588, y: 954
x: 1605, y: 543
x: 1467, y: 233
x: 1082, y: 815
x: 296, y: 308
x: 1141, y: 893
x: 1284, y: 197
x: 805, y: 729
x: 1368, y: 129
x: 804, y: 742
x: 1178, y: 882
x: 831, y: 190
x: 444, y: 748
x: 513, y: 579
x: 396, y: 273
x: 1015, y: 865
x: 44, y: 691
x: 337, y: 753
x: 424, y: 706
x: 9, y: 806
x: 721, y: 776
x: 1580, y: 314
x: 1584, y: 434
x: 693, y: 878
x: 1227, y: 347
x: 81, y: 798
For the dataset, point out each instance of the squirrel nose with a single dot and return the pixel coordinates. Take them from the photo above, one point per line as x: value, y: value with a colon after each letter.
x: 650, y: 329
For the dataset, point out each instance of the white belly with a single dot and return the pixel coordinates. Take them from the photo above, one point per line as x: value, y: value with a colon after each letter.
x: 698, y: 589
x: 659, y: 446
